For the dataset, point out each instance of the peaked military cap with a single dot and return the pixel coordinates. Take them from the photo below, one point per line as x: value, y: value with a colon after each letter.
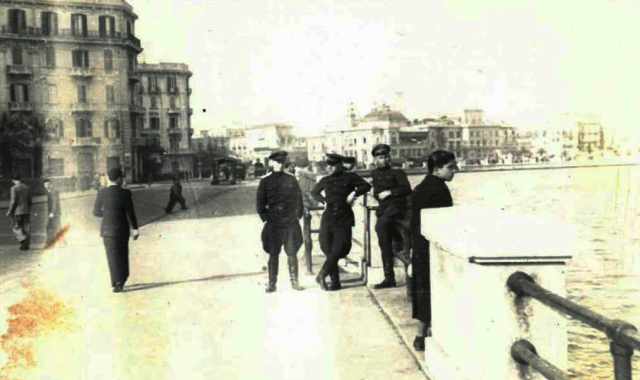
x: 279, y: 156
x: 333, y: 159
x: 380, y: 149
x: 349, y: 160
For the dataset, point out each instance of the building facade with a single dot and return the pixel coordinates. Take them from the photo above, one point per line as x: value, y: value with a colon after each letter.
x: 73, y: 63
x: 162, y: 112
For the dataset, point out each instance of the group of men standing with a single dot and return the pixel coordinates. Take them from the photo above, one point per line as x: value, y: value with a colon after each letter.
x: 19, y: 210
x: 280, y: 205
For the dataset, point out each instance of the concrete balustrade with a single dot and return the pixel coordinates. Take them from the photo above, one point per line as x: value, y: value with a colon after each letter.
x: 476, y: 318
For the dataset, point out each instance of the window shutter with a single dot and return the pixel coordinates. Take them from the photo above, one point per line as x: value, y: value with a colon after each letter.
x: 112, y: 26
x: 101, y: 26
x: 12, y: 92
x: 45, y: 23
x: 84, y: 24
x: 54, y: 23
x: 25, y: 93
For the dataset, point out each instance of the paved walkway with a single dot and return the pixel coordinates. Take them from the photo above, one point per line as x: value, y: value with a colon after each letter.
x: 194, y: 308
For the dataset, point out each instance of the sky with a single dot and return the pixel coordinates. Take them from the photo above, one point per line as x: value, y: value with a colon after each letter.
x: 303, y: 62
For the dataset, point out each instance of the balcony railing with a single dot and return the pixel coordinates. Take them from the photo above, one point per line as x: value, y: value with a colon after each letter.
x: 20, y: 106
x: 83, y: 107
x: 87, y: 141
x: 19, y: 70
x: 174, y: 131
x: 174, y: 110
x: 134, y: 76
x: 82, y: 72
x: 69, y: 33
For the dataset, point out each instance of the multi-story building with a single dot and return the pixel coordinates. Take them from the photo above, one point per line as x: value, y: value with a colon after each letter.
x: 163, y: 115
x: 73, y: 63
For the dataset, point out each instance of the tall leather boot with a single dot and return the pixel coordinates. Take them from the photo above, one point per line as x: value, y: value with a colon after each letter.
x: 272, y: 266
x: 293, y: 272
x: 334, y: 275
x: 321, y: 278
x: 389, y: 275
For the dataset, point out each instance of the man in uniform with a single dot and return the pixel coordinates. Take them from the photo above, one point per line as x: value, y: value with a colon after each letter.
x: 279, y: 204
x: 390, y: 188
x: 20, y: 211
x: 114, y: 205
x: 53, y: 212
x: 349, y: 163
x: 340, y: 190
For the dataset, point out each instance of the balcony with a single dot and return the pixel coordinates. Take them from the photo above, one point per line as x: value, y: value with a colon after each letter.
x: 27, y: 32
x: 134, y: 76
x: 135, y: 108
x: 83, y: 107
x: 19, y: 70
x: 21, y: 106
x: 149, y: 132
x: 174, y: 131
x: 174, y: 110
x: 82, y: 72
x: 87, y: 141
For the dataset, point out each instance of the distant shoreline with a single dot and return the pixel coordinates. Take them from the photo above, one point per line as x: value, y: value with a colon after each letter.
x: 512, y: 167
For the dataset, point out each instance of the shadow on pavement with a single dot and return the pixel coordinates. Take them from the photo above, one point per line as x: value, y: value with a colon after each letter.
x: 151, y: 285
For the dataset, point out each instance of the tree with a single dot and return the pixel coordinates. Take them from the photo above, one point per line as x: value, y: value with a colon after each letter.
x: 21, y: 135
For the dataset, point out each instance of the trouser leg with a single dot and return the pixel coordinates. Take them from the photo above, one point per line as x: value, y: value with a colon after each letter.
x: 384, y: 229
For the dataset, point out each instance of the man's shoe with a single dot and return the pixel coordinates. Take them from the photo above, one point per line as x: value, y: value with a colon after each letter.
x: 118, y: 289
x: 322, y: 281
x: 418, y: 343
x: 385, y: 284
x: 334, y: 287
x: 270, y: 288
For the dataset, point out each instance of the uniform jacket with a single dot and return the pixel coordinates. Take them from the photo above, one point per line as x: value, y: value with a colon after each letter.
x: 53, y: 203
x: 20, y: 203
x: 115, y: 205
x: 396, y: 181
x: 337, y: 188
x: 279, y: 199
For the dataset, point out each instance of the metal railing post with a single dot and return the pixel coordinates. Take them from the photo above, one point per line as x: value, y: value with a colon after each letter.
x: 308, y: 244
x: 523, y: 352
x: 621, y: 352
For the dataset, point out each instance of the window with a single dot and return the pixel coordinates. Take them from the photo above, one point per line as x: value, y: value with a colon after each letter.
x: 49, y: 23
x: 17, y: 21
x: 173, y: 122
x: 112, y: 129
x: 56, y: 167
x: 16, y: 55
x: 132, y: 62
x: 19, y: 92
x: 172, y: 102
x: 174, y: 144
x: 108, y: 61
x: 82, y: 93
x: 153, y: 84
x: 129, y: 28
x: 172, y: 86
x: 154, y: 102
x: 458, y: 134
x: 79, y: 24
x: 55, y: 129
x: 80, y: 58
x: 110, y: 95
x: 107, y: 26
x: 155, y: 123
x: 50, y: 57
x: 83, y: 128
x: 51, y: 95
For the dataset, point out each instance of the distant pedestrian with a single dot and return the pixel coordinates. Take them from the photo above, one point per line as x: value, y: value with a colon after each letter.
x: 20, y: 211
x: 175, y: 196
x: 432, y: 192
x: 53, y: 212
x: 279, y: 204
x: 391, y: 188
x: 340, y: 189
x: 114, y: 205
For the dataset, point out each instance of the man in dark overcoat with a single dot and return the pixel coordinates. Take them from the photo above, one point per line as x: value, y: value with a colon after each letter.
x: 175, y: 196
x: 114, y: 205
x: 53, y: 212
x: 390, y: 188
x: 340, y: 189
x: 20, y: 211
x: 279, y: 205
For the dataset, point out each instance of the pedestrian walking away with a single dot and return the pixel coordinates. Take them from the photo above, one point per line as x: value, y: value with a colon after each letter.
x: 175, y: 196
x: 20, y: 212
x: 114, y: 205
x: 430, y: 193
x: 390, y: 188
x: 340, y: 189
x: 53, y: 212
x: 279, y: 205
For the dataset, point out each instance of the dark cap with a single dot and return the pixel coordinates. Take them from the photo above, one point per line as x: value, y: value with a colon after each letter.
x: 333, y: 159
x: 380, y: 149
x: 279, y: 156
x: 114, y: 174
x: 349, y: 160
